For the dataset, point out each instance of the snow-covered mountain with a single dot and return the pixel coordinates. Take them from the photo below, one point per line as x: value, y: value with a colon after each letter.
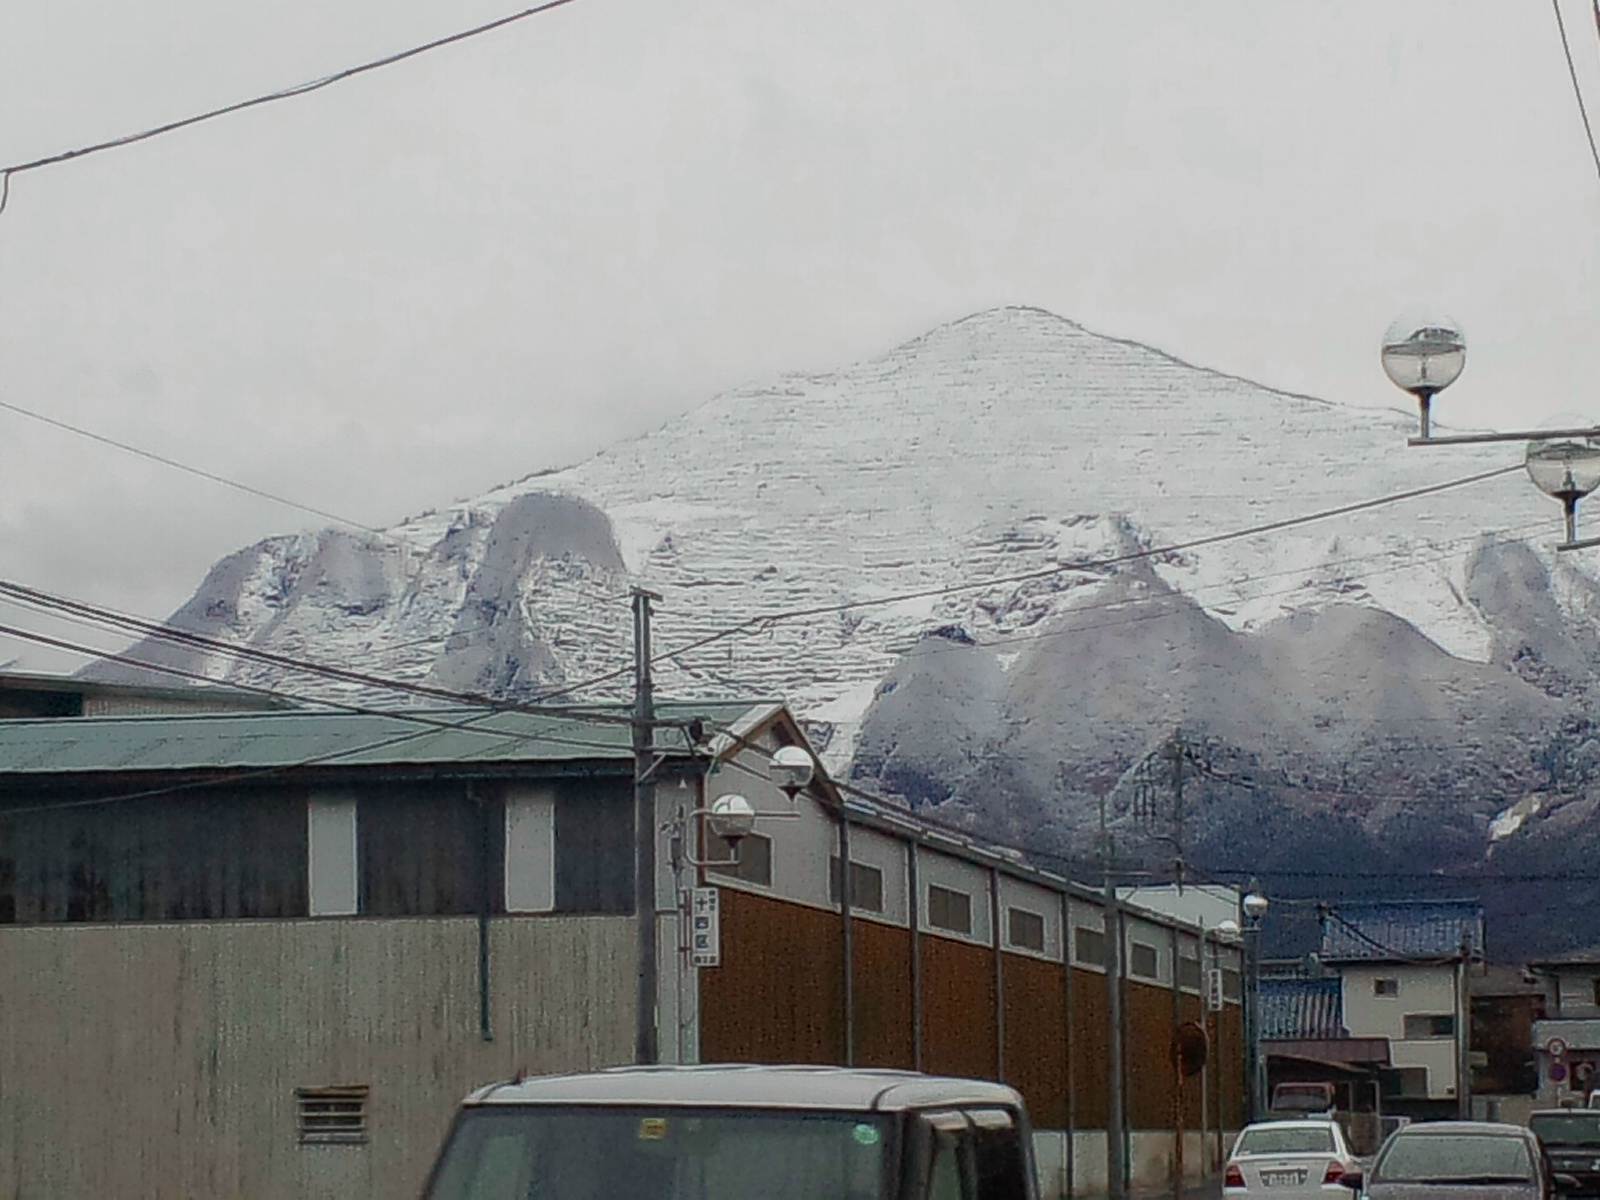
x: 1356, y: 667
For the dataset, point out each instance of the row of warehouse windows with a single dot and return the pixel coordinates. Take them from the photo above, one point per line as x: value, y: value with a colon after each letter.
x: 1144, y: 961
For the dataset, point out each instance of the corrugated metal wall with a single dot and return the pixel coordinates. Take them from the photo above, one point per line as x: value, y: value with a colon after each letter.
x: 778, y: 997
x: 1036, y: 1036
x: 228, y: 1019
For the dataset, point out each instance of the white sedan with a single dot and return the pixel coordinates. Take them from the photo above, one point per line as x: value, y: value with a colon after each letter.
x: 1289, y: 1160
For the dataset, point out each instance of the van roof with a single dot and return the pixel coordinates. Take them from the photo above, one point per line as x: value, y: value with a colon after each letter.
x: 750, y: 1086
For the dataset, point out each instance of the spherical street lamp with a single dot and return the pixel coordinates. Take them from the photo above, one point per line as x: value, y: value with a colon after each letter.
x: 1424, y: 354
x: 731, y: 817
x: 1566, y: 465
x: 792, y: 770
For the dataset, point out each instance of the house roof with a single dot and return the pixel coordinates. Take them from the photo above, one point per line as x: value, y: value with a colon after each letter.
x: 1301, y: 1008
x: 1401, y: 930
x: 255, y: 740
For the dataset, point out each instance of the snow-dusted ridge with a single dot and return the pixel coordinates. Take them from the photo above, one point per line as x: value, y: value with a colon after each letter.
x: 1009, y: 442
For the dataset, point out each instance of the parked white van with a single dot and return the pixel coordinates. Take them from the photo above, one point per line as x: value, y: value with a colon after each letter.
x: 738, y: 1132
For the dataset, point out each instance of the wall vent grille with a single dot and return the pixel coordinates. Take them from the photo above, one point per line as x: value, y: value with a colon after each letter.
x: 332, y: 1116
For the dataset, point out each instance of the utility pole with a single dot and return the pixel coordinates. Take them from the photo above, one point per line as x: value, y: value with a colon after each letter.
x: 1116, y: 1136
x: 646, y: 1049
x: 1156, y: 782
x: 1463, y: 1023
x: 1179, y: 752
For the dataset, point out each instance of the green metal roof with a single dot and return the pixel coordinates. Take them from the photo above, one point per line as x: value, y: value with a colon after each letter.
x: 39, y: 746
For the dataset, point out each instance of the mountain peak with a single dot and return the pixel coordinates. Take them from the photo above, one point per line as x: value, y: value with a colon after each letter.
x: 988, y: 478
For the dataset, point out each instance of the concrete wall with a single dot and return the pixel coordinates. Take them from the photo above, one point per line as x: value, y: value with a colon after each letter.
x: 162, y: 1060
x: 1149, y: 1161
x: 1421, y: 990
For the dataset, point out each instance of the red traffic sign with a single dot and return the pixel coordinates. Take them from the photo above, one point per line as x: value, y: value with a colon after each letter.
x: 1555, y: 1047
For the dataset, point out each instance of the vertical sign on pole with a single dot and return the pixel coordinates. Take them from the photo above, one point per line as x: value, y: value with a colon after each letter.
x: 705, y: 927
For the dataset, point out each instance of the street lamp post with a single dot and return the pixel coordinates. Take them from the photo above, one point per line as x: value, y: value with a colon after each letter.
x: 1425, y: 354
x: 1566, y: 465
x: 1226, y: 931
x: 1254, y: 910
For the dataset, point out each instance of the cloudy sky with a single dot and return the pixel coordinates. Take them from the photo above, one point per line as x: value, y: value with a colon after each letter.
x: 500, y: 256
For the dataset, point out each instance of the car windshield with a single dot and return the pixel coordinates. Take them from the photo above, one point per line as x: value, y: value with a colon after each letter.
x: 1567, y: 1129
x: 593, y: 1153
x: 1287, y: 1139
x: 1454, y: 1157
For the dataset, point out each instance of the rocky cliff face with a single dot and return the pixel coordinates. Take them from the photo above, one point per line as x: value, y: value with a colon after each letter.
x: 1383, y: 689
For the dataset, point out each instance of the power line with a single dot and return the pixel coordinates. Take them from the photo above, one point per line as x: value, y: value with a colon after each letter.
x: 1572, y: 73
x: 388, y: 535
x: 760, y: 623
x: 109, y: 620
x: 1211, y: 875
x: 420, y: 718
x: 159, y: 630
x: 202, y: 472
x: 299, y: 90
x: 429, y: 726
x: 1177, y: 598
x: 56, y: 605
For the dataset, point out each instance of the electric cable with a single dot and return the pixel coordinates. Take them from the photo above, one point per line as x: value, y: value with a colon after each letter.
x: 433, y: 725
x: 898, y: 810
x: 759, y: 623
x: 298, y: 90
x: 387, y: 535
x: 49, y: 602
x: 1572, y: 73
x: 1175, y: 600
x: 202, y: 473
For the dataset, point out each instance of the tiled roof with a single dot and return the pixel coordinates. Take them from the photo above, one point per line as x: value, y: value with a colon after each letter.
x: 1301, y: 1008
x: 1401, y: 930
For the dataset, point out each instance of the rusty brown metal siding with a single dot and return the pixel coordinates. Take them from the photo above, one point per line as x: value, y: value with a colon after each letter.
x: 783, y: 960
x: 882, y: 995
x: 161, y: 1060
x: 1090, y: 1049
x: 779, y: 994
x: 1148, y: 1047
x: 959, y: 1030
x: 1036, y: 1036
x: 1227, y: 1027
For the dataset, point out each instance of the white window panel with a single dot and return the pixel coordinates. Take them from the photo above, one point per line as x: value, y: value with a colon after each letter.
x: 530, y: 852
x: 331, y: 868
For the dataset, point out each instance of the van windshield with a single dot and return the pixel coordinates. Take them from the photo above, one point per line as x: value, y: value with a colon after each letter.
x: 550, y: 1152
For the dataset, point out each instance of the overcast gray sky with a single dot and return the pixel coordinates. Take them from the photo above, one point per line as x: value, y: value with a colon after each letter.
x: 503, y: 255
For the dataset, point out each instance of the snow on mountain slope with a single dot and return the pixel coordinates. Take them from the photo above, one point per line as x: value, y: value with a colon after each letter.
x: 1007, y: 442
